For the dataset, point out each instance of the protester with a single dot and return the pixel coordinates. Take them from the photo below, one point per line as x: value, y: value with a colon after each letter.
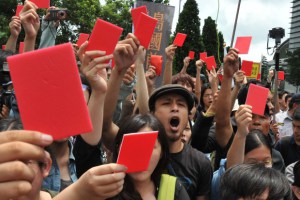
x: 289, y: 145
x: 254, y: 181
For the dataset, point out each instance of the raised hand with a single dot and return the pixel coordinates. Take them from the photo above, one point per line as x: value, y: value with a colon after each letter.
x: 93, y: 66
x: 17, y: 147
x: 231, y: 63
x: 15, y: 26
x: 129, y: 75
x: 186, y: 62
x: 239, y: 78
x: 30, y: 19
x: 199, y: 64
x: 243, y: 118
x: 125, y: 52
x: 170, y: 52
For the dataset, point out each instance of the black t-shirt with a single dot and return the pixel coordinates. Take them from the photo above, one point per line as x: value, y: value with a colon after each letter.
x: 193, y: 169
x: 86, y: 156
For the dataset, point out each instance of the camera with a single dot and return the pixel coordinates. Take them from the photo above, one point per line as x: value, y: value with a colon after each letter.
x: 277, y: 34
x: 58, y: 14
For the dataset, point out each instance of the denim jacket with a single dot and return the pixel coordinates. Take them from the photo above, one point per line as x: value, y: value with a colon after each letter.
x: 52, y: 181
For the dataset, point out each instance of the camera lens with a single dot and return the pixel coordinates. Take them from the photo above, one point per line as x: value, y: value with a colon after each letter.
x: 61, y: 13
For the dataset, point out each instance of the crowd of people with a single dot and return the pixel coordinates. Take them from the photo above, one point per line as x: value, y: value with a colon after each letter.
x: 209, y: 142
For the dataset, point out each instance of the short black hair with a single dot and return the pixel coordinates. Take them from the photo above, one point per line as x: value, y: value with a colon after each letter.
x: 252, y: 180
x: 296, y: 115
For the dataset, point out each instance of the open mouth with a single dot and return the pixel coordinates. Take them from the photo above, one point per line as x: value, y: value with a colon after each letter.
x: 174, y: 122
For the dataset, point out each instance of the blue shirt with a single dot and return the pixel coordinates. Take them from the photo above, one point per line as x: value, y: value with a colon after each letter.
x: 53, y: 181
x: 216, y: 180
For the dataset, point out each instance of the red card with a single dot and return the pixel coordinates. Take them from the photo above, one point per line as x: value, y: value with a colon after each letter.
x: 191, y: 55
x: 281, y: 75
x: 82, y: 38
x: 145, y: 29
x: 258, y: 77
x: 179, y: 39
x: 3, y: 47
x: 21, y: 47
x: 257, y: 98
x: 243, y: 44
x: 18, y: 10
x: 136, y: 150
x: 41, y: 3
x: 104, y: 37
x: 49, y: 92
x: 136, y: 14
x: 203, y: 56
x: 247, y: 67
x: 210, y: 63
x: 220, y: 76
x: 156, y: 61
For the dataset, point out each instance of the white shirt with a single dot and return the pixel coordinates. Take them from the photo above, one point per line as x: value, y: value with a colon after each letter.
x: 285, y: 125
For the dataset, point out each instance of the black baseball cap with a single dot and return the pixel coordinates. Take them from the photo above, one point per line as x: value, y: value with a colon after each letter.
x: 170, y: 89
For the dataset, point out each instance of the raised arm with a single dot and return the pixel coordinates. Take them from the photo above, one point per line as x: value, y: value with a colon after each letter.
x: 150, y: 78
x: 15, y: 29
x: 236, y: 151
x: 93, y: 66
x: 31, y: 24
x: 223, y: 107
x: 198, y: 85
x: 98, y: 183
x: 124, y: 55
x: 141, y: 85
x: 186, y: 63
x: 239, y: 78
x: 170, y: 52
x: 213, y: 80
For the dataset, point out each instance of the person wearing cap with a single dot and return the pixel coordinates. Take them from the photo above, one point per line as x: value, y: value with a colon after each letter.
x: 284, y: 119
x: 296, y: 183
x: 171, y: 104
x: 289, y: 146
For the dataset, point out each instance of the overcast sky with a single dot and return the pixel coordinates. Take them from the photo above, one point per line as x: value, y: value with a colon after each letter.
x: 256, y: 18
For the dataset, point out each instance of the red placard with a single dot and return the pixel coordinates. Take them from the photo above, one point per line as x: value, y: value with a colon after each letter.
x: 82, y: 38
x: 203, y: 56
x: 3, y: 47
x: 156, y: 61
x: 104, y: 37
x: 145, y: 29
x: 41, y: 3
x: 21, y: 47
x: 18, y: 10
x: 243, y: 44
x: 179, y: 39
x: 247, y: 67
x: 136, y: 150
x: 49, y: 91
x: 281, y: 75
x: 257, y: 98
x: 210, y: 63
x: 191, y: 55
x: 136, y: 14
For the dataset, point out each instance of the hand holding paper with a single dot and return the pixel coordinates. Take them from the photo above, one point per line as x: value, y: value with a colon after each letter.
x: 210, y: 63
x: 243, y: 44
x: 179, y: 39
x: 136, y: 14
x: 82, y: 38
x: 38, y: 77
x: 30, y: 19
x: 156, y: 61
x: 136, y: 150
x: 191, y: 55
x: 247, y: 67
x: 104, y: 37
x: 145, y: 29
x: 41, y: 3
x: 257, y: 98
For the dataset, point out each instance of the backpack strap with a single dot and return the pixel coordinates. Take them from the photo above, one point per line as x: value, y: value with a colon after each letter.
x: 167, y: 187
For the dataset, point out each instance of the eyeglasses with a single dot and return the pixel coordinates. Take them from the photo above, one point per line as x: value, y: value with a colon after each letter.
x: 268, y: 162
x: 207, y: 95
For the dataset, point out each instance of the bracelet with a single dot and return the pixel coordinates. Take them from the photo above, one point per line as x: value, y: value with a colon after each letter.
x: 209, y: 114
